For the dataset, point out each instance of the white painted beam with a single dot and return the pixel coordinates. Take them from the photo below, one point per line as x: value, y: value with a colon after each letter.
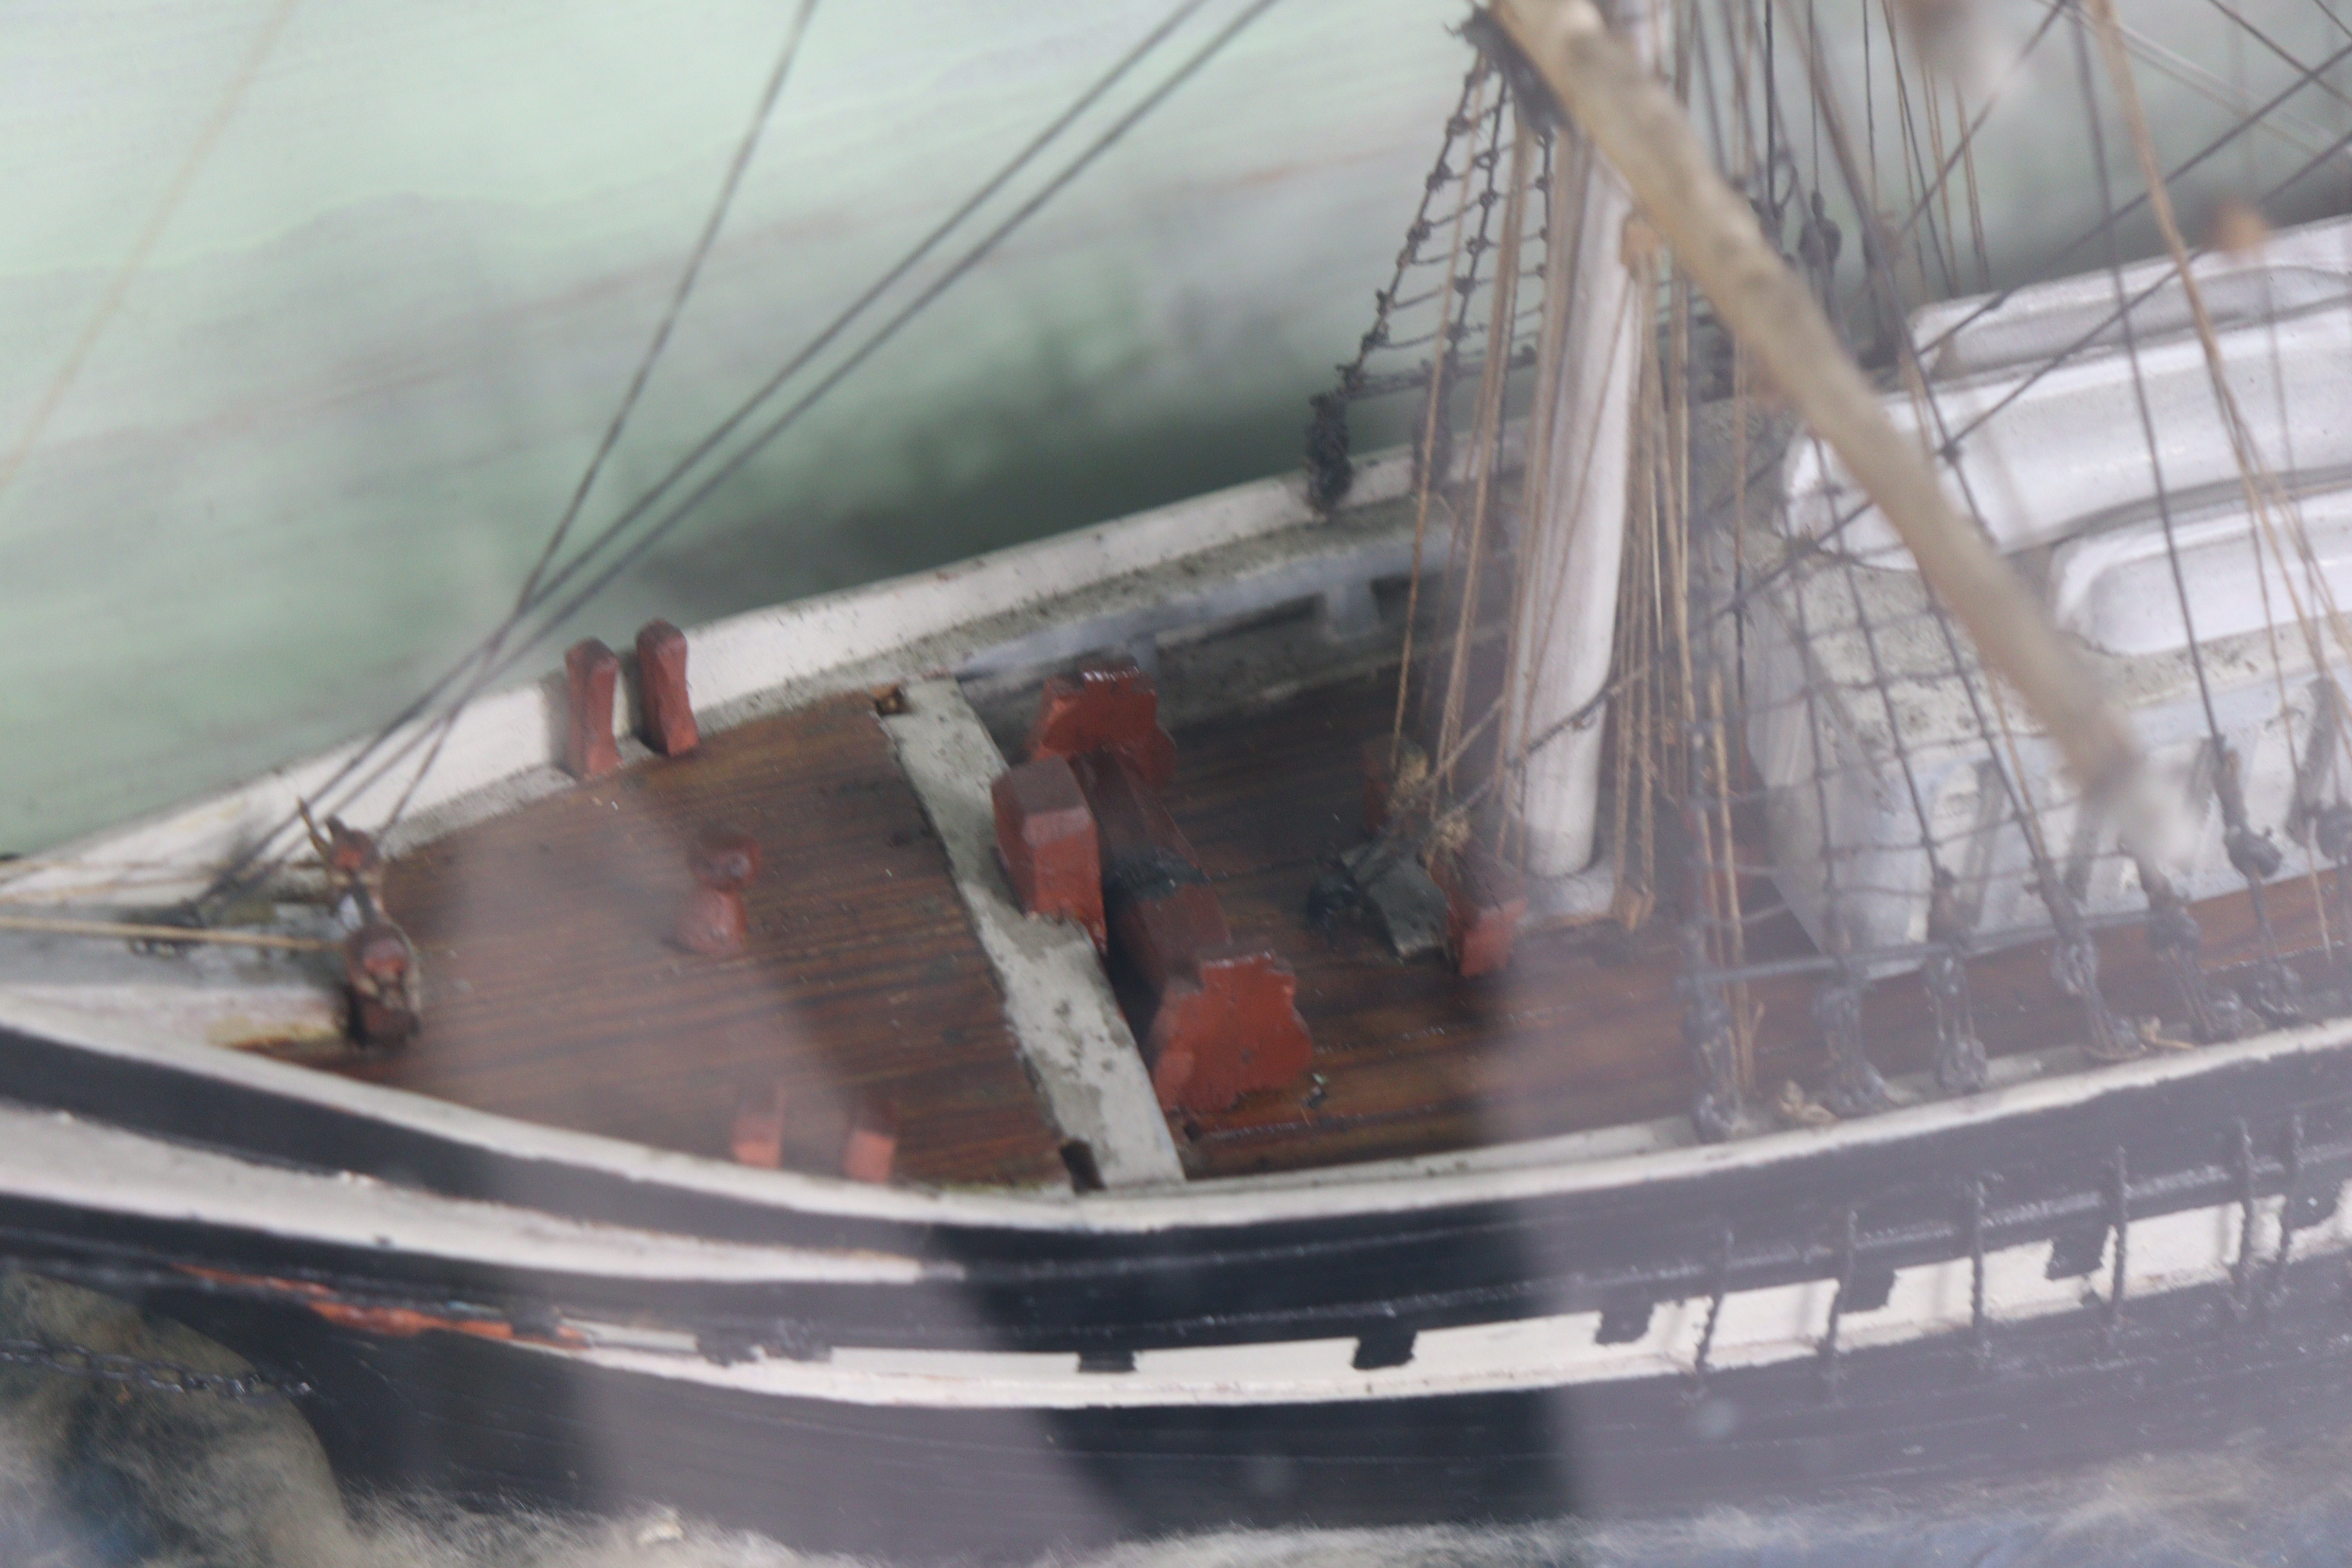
x: 1074, y: 1043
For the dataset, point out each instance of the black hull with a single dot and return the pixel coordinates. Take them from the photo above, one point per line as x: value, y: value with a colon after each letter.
x: 2232, y: 1126
x: 494, y: 1425
x: 2072, y: 1175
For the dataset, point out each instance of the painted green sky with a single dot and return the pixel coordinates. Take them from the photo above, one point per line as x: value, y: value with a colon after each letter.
x: 312, y: 456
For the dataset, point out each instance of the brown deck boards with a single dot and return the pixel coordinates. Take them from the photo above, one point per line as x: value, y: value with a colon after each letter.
x: 1583, y: 1030
x: 555, y: 995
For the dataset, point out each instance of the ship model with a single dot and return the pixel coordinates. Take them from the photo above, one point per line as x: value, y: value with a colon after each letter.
x: 1758, y: 907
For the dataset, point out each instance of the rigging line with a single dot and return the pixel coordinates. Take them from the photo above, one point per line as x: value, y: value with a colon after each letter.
x: 1392, y: 301
x: 2326, y: 689
x: 881, y: 336
x: 2232, y: 94
x: 1438, y: 461
x: 1486, y: 432
x: 2262, y: 486
x: 1703, y: 57
x: 1440, y: 357
x: 2139, y: 383
x: 704, y: 244
x: 1923, y: 239
x: 2054, y: 892
x: 840, y: 322
x: 486, y: 653
x: 2251, y: 31
x: 2056, y: 360
x: 1995, y: 301
x: 1970, y: 127
x: 1885, y: 684
x: 118, y: 288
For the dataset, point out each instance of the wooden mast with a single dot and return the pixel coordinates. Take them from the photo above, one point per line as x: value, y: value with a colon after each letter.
x: 1634, y: 123
x: 1574, y: 528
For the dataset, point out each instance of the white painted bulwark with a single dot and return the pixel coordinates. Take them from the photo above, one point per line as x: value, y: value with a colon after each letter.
x: 506, y: 744
x: 1572, y: 1162
x: 1765, y: 1326
x: 58, y: 1159
x: 1073, y: 1039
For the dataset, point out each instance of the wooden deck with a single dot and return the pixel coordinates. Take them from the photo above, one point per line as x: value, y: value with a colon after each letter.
x: 556, y: 997
x: 1583, y: 1029
x: 555, y: 994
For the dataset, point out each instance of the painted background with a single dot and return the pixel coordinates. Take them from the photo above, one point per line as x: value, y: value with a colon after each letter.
x: 310, y: 458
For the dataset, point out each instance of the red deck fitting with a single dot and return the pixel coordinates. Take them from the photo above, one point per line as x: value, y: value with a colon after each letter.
x: 872, y: 1150
x: 387, y: 994
x: 665, y: 717
x: 1230, y: 1026
x: 1046, y: 834
x: 1484, y: 902
x: 757, y: 1136
x: 1223, y: 1020
x: 1112, y: 705
x: 712, y: 921
x: 590, y: 674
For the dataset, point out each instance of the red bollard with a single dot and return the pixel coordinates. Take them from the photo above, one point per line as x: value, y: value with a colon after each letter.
x: 591, y: 673
x: 666, y: 715
x: 872, y: 1150
x: 1046, y: 834
x: 757, y: 1136
x: 1484, y: 902
x: 712, y: 921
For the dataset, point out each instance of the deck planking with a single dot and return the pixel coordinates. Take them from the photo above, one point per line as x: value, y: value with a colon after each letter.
x: 554, y: 993
x: 1584, y: 1029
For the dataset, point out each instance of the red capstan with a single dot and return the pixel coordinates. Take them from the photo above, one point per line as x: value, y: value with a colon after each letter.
x: 712, y: 921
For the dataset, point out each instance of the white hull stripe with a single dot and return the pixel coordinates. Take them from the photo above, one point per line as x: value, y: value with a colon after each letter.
x: 55, y: 1157
x: 1510, y: 1173
x: 1757, y: 1327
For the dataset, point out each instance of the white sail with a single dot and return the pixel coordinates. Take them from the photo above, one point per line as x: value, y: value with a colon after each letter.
x: 1573, y: 539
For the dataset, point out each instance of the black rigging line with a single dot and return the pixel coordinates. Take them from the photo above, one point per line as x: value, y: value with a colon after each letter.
x: 2165, y: 279
x: 2307, y: 76
x: 692, y: 274
x: 2272, y: 45
x: 2139, y: 382
x: 888, y: 330
x: 1943, y: 176
x: 686, y: 282
x: 494, y: 667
